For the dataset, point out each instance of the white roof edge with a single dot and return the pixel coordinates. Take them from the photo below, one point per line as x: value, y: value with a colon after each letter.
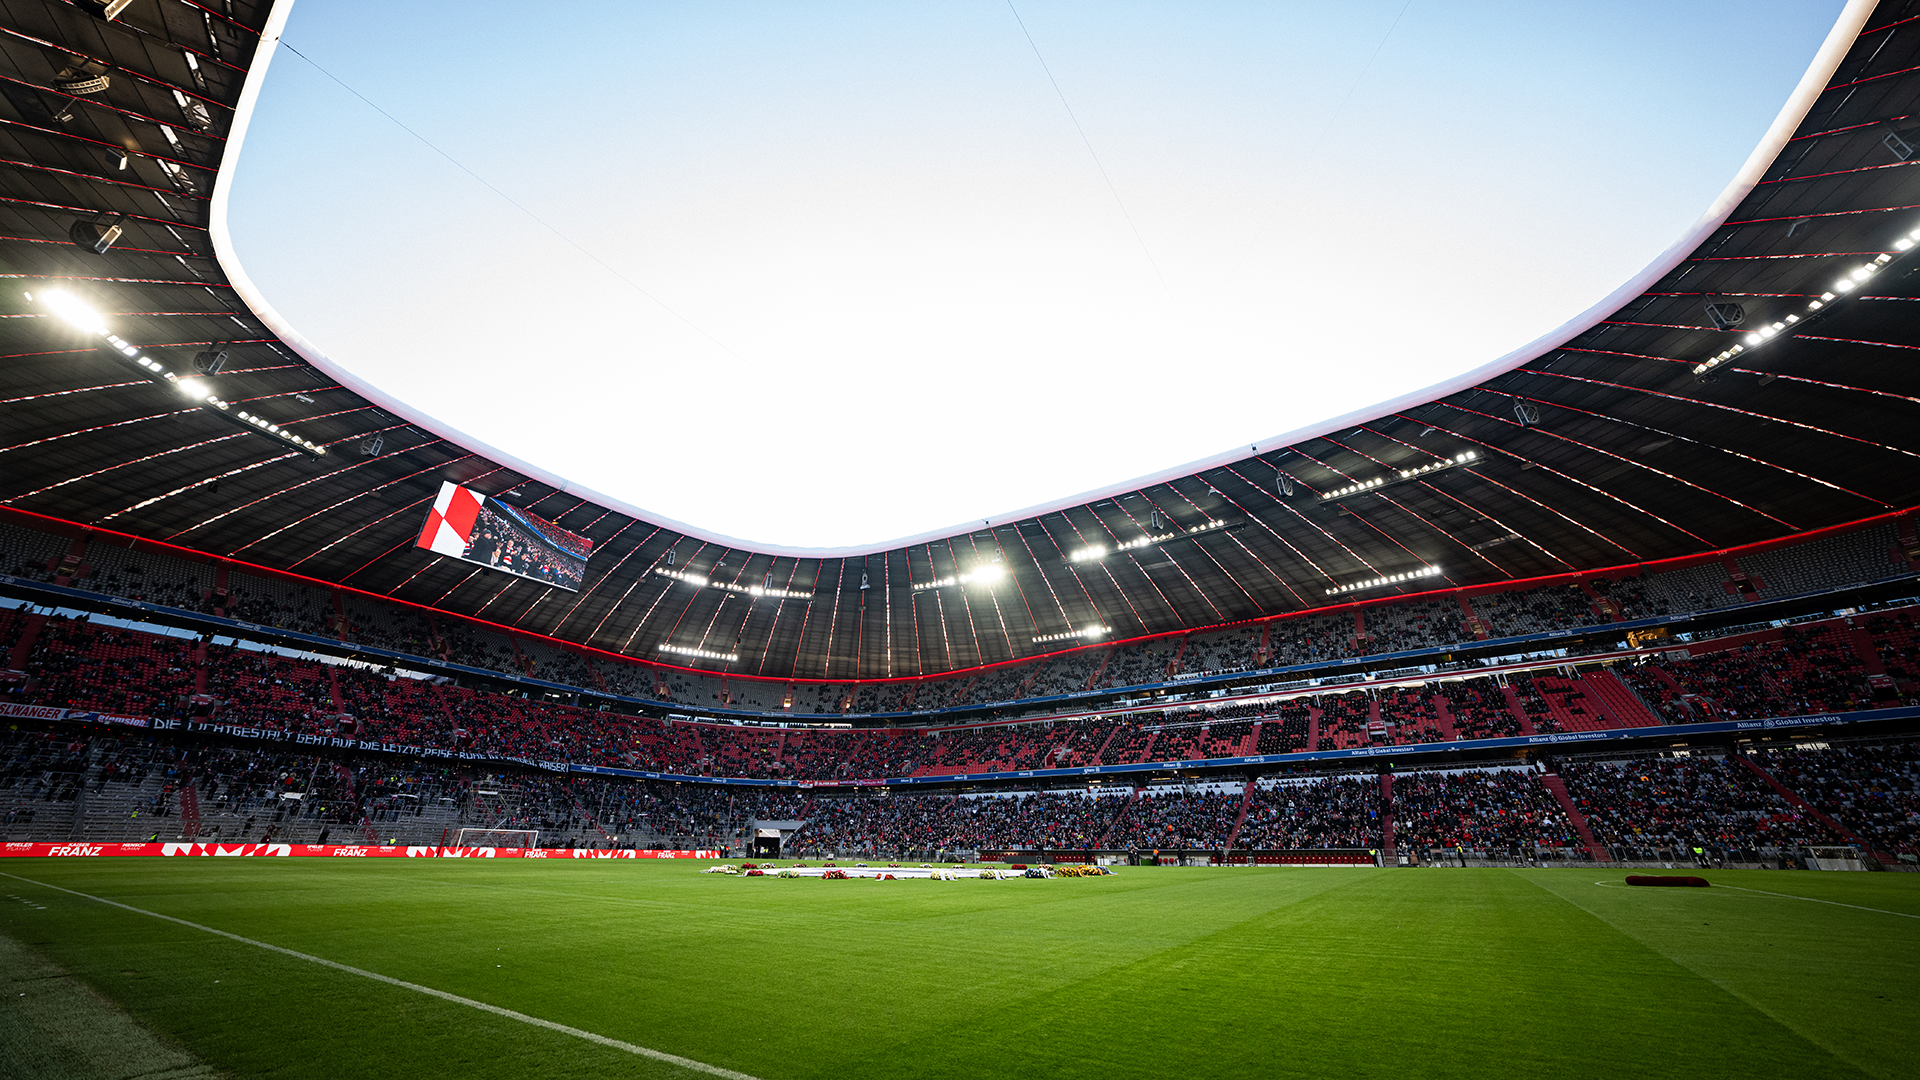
x: 1851, y: 21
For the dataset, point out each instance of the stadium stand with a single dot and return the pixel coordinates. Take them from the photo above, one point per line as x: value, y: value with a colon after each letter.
x: 265, y: 600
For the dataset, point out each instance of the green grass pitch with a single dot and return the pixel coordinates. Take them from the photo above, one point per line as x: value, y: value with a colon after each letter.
x: 1152, y: 972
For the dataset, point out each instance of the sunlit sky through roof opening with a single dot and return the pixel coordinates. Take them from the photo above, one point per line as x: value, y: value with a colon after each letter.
x: 894, y: 290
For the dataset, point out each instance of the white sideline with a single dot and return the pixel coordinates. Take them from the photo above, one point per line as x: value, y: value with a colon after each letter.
x: 1786, y: 896
x: 602, y: 1040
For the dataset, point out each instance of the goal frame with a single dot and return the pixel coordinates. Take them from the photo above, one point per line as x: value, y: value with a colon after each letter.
x: 490, y: 838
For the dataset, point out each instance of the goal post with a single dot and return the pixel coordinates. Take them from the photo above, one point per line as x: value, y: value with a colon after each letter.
x: 497, y: 838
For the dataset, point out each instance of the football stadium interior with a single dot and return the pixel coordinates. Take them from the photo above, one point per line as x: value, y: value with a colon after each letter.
x: 1353, y: 737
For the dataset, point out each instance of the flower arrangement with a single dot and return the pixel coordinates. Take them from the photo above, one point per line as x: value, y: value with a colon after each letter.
x: 829, y: 862
x: 721, y: 869
x: 893, y: 864
x: 989, y: 875
x: 756, y: 873
x: 1019, y: 866
x: 749, y: 866
x: 1037, y: 871
x: 788, y: 873
x: 1081, y: 871
x: 885, y: 877
x: 799, y: 864
x: 834, y: 875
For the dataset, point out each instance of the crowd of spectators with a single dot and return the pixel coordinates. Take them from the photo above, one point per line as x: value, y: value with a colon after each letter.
x: 1315, y: 637
x: 1685, y: 802
x: 1494, y: 810
x: 1177, y: 819
x: 76, y: 664
x: 1871, y: 789
x: 1335, y: 812
x: 500, y: 538
x: 120, y: 785
x: 1805, y: 670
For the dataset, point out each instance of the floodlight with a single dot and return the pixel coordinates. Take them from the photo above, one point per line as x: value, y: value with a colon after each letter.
x: 97, y: 235
x: 74, y: 312
x: 210, y: 360
x: 1726, y: 316
x: 107, y: 9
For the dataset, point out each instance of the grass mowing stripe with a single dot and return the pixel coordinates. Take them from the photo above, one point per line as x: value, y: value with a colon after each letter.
x: 510, y: 1014
x: 1812, y: 1038
x: 1835, y: 903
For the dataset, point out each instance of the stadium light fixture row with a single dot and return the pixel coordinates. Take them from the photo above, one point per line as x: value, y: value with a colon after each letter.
x: 1100, y: 551
x: 700, y: 581
x: 1817, y: 308
x: 704, y: 654
x: 1388, y: 579
x: 77, y: 314
x: 1089, y: 632
x: 988, y: 574
x: 1465, y: 457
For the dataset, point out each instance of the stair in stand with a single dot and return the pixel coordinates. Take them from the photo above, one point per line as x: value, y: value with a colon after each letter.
x: 1246, y: 799
x: 1558, y: 789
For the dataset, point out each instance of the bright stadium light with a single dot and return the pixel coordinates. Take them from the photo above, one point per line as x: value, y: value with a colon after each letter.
x: 1385, y: 579
x: 988, y: 574
x: 1815, y: 307
x: 1465, y: 457
x: 77, y: 313
x: 1089, y: 632
x: 701, y: 581
x: 74, y: 311
x: 704, y: 654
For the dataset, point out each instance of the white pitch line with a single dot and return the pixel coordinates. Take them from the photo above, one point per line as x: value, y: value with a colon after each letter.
x: 1835, y: 903
x: 601, y: 1040
x: 1787, y: 896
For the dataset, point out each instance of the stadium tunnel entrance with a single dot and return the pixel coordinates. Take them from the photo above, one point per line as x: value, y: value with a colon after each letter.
x: 769, y: 837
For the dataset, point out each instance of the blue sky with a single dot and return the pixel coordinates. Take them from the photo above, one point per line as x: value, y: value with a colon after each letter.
x: 883, y: 286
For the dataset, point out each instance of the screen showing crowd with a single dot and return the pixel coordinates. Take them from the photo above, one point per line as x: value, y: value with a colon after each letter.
x: 476, y: 528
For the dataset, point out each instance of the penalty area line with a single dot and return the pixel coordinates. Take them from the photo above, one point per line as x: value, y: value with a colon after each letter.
x: 1811, y: 900
x: 510, y: 1014
x: 1785, y: 896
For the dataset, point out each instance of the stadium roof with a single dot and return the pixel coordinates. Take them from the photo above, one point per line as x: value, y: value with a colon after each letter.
x: 1598, y: 446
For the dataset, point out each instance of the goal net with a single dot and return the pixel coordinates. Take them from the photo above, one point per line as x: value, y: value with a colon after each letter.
x: 497, y: 838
